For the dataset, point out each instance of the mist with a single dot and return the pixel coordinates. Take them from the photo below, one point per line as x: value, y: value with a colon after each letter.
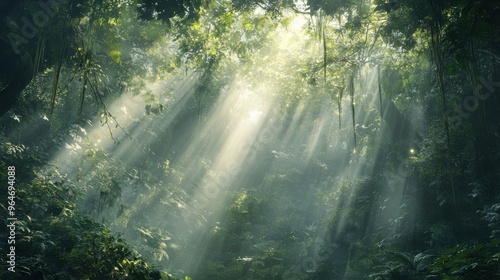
x: 241, y: 141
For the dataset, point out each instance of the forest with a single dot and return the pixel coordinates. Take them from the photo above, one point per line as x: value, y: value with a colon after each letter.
x: 250, y: 139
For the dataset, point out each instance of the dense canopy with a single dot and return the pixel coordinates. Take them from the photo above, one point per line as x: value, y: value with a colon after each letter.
x: 250, y: 139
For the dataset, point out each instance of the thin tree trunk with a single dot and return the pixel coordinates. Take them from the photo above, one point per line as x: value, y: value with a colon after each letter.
x: 351, y: 91
x: 380, y: 93
x: 59, y: 62
x: 435, y: 28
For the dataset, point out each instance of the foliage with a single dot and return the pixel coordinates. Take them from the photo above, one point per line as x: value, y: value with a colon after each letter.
x: 401, y: 265
x: 480, y: 261
x: 54, y: 239
x: 387, y: 196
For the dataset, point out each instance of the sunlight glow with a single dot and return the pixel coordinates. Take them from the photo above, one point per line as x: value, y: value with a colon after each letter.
x: 126, y: 141
x: 252, y: 140
x: 238, y: 124
x: 254, y: 115
x: 243, y: 122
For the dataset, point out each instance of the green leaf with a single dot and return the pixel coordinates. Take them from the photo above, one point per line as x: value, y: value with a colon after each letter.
x: 116, y: 56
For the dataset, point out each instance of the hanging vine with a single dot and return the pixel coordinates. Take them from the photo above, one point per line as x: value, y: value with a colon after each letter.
x: 380, y: 93
x: 474, y: 68
x: 436, y: 48
x: 339, y: 103
x: 351, y: 92
x: 40, y: 53
x: 59, y: 62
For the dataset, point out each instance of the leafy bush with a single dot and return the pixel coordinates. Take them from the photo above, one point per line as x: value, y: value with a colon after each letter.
x: 54, y: 241
x: 480, y: 261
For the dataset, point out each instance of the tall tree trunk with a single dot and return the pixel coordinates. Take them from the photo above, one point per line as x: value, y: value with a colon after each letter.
x: 436, y: 49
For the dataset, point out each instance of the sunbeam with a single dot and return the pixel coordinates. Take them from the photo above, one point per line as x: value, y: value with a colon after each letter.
x: 250, y: 139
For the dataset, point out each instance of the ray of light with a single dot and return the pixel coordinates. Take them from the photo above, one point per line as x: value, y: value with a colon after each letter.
x: 126, y: 136
x: 241, y: 120
x: 217, y: 162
